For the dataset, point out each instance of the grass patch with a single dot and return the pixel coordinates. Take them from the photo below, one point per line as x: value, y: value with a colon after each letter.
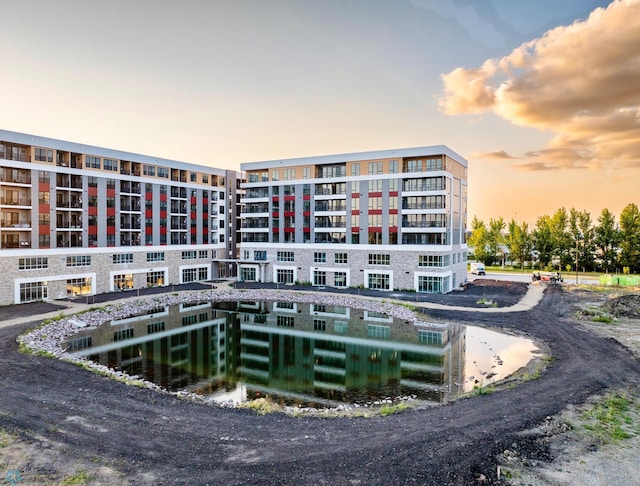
x: 393, y: 408
x: 261, y: 406
x: 487, y: 302
x: 603, y: 318
x: 6, y: 439
x: 82, y: 477
x: 609, y: 420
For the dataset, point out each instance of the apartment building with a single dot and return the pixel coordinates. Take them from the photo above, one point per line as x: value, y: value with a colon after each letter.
x: 80, y: 220
x: 386, y: 220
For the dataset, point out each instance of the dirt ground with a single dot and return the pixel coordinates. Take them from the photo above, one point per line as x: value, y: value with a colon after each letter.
x: 60, y: 424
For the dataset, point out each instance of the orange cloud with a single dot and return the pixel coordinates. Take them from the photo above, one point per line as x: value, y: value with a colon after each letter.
x: 580, y: 81
x: 495, y: 155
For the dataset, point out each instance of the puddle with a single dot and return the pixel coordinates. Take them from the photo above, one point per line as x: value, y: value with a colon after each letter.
x: 301, y: 354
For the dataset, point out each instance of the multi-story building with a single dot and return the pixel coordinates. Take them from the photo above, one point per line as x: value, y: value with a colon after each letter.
x: 386, y: 220
x: 81, y: 220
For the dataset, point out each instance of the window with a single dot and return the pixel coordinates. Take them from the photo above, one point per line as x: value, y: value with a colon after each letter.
x: 203, y: 254
x: 110, y: 164
x: 289, y: 174
x: 393, y: 167
x: 433, y: 261
x: 155, y: 279
x: 79, y: 343
x: 43, y: 155
x: 319, y: 325
x: 275, y: 175
x: 379, y: 259
x: 284, y: 276
x: 247, y: 274
x: 189, y: 275
x: 285, y: 256
x: 33, y: 263
x: 149, y: 170
x: 429, y: 337
x: 433, y: 285
x: 123, y: 258
x: 319, y: 257
x: 260, y: 255
x: 155, y: 256
x: 44, y: 176
x: 379, y: 281
x: 91, y: 162
x: 163, y: 172
x: 189, y: 320
x: 193, y: 177
x: 378, y: 332
x: 123, y: 281
x: 123, y: 334
x: 79, y: 261
x: 319, y: 278
x: 285, y: 321
x: 306, y: 172
x: 375, y: 185
x: 375, y: 203
x: 340, y: 279
x: 355, y: 169
x: 189, y: 255
x: 375, y: 168
x: 78, y: 286
x: 33, y: 291
x: 155, y: 327
x: 340, y: 258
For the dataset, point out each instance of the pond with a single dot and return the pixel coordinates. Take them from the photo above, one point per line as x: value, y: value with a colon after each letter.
x: 299, y: 354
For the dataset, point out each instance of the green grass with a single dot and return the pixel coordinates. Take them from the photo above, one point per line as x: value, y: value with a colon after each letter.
x: 394, y: 408
x: 609, y: 420
x: 603, y: 318
x: 81, y: 477
x: 261, y: 406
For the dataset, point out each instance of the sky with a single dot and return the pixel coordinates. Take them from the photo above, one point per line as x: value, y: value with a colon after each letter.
x: 542, y: 98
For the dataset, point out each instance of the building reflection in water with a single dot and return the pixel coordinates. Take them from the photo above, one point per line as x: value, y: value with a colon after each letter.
x: 298, y: 354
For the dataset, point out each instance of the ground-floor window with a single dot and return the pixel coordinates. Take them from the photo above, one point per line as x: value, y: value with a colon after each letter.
x: 155, y: 279
x: 319, y: 277
x: 284, y: 276
x: 379, y: 281
x: 340, y: 279
x: 78, y: 286
x: 378, y: 332
x: 247, y: 273
x: 123, y: 281
x: 33, y: 291
x: 197, y: 274
x: 433, y: 285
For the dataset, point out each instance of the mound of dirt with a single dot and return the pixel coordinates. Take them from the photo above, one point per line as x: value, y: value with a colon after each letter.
x: 624, y: 306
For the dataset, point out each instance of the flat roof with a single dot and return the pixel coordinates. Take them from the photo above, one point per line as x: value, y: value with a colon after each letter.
x: 352, y: 157
x: 44, y: 142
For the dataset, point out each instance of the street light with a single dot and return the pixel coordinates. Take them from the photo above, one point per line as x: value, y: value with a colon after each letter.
x: 577, y: 240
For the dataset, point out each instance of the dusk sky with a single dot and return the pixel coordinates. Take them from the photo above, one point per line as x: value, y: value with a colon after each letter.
x: 541, y: 97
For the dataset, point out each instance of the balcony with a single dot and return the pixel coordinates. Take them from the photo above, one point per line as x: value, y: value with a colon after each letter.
x: 15, y: 201
x: 24, y: 224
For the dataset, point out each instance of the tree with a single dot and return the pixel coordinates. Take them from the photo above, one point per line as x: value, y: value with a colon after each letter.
x: 582, y: 234
x: 479, y: 240
x: 542, y: 240
x: 561, y: 241
x: 630, y: 237
x: 519, y: 241
x: 496, y: 239
x: 606, y: 239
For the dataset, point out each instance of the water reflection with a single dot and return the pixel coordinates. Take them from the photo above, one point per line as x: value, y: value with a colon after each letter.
x: 299, y: 354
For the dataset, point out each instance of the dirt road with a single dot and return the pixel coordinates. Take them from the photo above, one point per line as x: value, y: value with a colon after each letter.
x: 137, y: 436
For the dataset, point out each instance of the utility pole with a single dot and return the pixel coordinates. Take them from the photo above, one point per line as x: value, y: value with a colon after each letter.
x: 577, y: 239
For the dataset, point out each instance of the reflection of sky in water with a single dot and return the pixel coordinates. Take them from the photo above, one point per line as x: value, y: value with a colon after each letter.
x: 490, y: 352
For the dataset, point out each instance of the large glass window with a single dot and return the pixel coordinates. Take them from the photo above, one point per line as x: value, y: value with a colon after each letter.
x: 319, y: 277
x: 379, y: 281
x: 319, y: 257
x: 379, y: 259
x: 33, y: 291
x: 433, y: 285
x: 284, y: 276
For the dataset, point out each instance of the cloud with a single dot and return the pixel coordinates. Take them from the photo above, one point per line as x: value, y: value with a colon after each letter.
x: 495, y: 155
x: 580, y: 81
